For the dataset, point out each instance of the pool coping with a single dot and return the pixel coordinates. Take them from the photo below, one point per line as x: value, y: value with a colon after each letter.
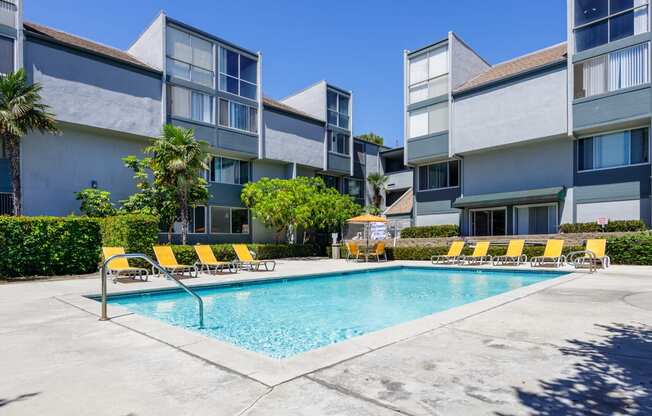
x: 271, y: 371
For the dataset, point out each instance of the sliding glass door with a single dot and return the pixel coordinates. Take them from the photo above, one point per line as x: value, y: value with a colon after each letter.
x: 486, y: 222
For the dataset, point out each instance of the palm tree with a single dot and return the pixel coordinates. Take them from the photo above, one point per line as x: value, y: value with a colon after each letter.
x: 178, y: 161
x: 21, y: 112
x: 378, y: 182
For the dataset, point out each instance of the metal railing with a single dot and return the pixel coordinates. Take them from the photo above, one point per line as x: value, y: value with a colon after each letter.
x: 583, y: 258
x: 104, y: 317
x: 6, y: 203
x: 8, y: 5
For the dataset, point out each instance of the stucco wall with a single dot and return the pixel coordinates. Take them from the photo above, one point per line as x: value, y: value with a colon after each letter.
x: 312, y: 100
x: 292, y: 139
x: 55, y: 167
x: 523, y: 110
x: 465, y: 63
x: 87, y: 90
x: 149, y: 46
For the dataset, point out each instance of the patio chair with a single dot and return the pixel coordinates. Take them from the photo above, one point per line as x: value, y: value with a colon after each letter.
x: 378, y: 251
x: 514, y: 254
x: 594, y: 254
x: 352, y: 250
x: 480, y: 254
x: 551, y: 255
x: 120, y: 266
x: 166, y: 259
x: 245, y: 259
x: 454, y: 253
x: 207, y: 261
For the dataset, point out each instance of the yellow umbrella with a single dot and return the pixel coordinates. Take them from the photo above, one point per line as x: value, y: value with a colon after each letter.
x: 366, y: 219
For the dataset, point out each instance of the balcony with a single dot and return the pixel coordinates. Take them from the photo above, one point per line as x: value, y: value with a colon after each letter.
x: 8, y: 11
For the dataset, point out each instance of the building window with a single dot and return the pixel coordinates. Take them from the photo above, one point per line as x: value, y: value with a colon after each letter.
x: 3, y: 149
x: 189, y: 57
x: 338, y: 143
x: 238, y: 74
x: 231, y: 171
x: 613, y: 150
x: 602, y: 21
x: 190, y: 104
x: 439, y: 176
x: 6, y: 55
x: 338, y: 109
x: 227, y: 220
x: 238, y: 116
x: 354, y: 188
x: 624, y: 68
x: 535, y: 219
x: 429, y: 120
x: 491, y: 221
x: 428, y: 75
x: 197, y: 220
x: 330, y: 181
x: 359, y: 153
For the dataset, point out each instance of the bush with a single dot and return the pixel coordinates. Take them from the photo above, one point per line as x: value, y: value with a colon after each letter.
x: 611, y: 227
x: 137, y: 233
x: 186, y: 254
x: 431, y: 231
x: 46, y: 246
x: 633, y: 249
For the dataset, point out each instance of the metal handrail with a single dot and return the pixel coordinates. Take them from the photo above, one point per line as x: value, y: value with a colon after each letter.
x: 577, y: 261
x: 155, y: 265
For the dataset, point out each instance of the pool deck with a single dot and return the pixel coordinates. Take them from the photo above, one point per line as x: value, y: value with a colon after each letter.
x: 576, y: 344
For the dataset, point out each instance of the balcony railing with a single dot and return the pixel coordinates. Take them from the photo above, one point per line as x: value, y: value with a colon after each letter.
x: 8, y: 13
x: 6, y: 203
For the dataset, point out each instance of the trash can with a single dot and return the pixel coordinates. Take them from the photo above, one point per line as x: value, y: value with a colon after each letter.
x: 336, y: 251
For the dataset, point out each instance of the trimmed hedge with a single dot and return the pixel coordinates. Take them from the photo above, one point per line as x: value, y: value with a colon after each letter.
x: 137, y: 233
x: 611, y: 227
x: 631, y: 249
x: 46, y: 246
x: 186, y: 254
x: 431, y: 231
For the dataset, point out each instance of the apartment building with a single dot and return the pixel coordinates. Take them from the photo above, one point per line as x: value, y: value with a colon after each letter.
x: 556, y: 136
x: 109, y: 103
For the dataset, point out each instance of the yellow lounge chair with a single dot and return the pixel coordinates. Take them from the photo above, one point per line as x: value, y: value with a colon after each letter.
x: 165, y: 258
x: 120, y: 266
x: 480, y: 254
x: 208, y: 262
x: 379, y: 250
x: 595, y: 253
x: 352, y: 250
x: 514, y: 254
x: 246, y: 259
x: 454, y: 253
x: 551, y: 256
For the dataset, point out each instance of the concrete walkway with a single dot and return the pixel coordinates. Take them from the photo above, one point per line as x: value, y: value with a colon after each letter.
x: 581, y: 347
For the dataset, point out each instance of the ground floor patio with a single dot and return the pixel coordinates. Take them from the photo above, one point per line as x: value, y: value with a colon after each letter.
x: 581, y: 345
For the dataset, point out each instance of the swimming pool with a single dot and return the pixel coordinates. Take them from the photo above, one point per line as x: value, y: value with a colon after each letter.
x: 285, y: 317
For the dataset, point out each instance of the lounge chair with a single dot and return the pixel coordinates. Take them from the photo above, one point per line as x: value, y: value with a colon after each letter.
x: 352, y: 250
x: 594, y: 254
x: 454, y: 253
x: 480, y: 254
x: 378, y: 251
x: 165, y: 258
x: 120, y: 266
x: 551, y: 255
x: 207, y: 261
x: 246, y: 259
x: 514, y: 254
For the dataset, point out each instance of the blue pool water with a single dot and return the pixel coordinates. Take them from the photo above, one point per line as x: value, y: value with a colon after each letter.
x: 286, y: 317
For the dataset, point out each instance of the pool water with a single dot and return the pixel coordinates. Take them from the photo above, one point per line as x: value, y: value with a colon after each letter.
x: 282, y: 318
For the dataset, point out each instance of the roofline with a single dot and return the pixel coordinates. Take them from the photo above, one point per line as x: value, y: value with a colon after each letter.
x: 393, y: 149
x: 142, y: 32
x: 208, y: 35
x: 428, y: 46
x: 304, y: 89
x: 399, y: 200
x: 463, y: 42
x: 306, y: 117
x: 49, y: 39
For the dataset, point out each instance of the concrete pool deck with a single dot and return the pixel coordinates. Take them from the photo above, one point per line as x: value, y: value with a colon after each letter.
x: 549, y: 348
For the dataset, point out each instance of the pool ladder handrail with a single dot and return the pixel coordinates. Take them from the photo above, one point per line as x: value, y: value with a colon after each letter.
x: 200, y: 302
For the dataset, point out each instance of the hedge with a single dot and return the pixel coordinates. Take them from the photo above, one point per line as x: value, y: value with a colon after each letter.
x: 45, y: 246
x: 633, y: 249
x: 186, y: 254
x: 611, y: 227
x: 137, y: 233
x: 431, y: 231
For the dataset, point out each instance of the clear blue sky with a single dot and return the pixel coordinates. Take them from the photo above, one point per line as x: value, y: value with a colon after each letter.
x: 354, y: 44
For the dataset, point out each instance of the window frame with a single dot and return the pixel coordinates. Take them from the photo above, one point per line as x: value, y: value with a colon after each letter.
x: 448, y: 175
x: 492, y: 209
x: 337, y: 110
x: 193, y: 222
x: 228, y: 109
x: 608, y: 18
x: 427, y: 110
x: 211, y: 171
x: 190, y: 64
x: 223, y: 88
x: 411, y: 85
x: 12, y: 54
x: 333, y: 149
x: 545, y: 204
x: 190, y: 90
x: 231, y: 209
x: 605, y: 133
x: 362, y: 188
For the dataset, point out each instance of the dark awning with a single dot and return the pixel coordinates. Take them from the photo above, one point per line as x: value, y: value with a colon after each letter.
x: 531, y: 196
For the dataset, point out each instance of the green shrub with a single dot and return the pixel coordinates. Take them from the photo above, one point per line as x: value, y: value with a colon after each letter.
x: 611, y: 227
x: 431, y: 231
x: 137, y: 233
x: 46, y: 246
x: 633, y: 249
x: 186, y: 254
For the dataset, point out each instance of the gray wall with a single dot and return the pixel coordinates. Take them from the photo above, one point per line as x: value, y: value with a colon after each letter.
x: 92, y: 91
x: 293, y: 139
x: 312, y: 100
x: 527, y: 109
x: 55, y: 167
x: 625, y: 105
x: 465, y: 62
x: 149, y: 46
x: 429, y: 148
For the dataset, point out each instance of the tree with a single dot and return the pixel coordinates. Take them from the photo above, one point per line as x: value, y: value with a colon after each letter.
x: 21, y: 112
x: 372, y: 138
x: 95, y: 203
x: 176, y: 162
x: 378, y: 182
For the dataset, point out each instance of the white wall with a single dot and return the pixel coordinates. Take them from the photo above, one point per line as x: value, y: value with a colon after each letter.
x: 613, y: 210
x: 437, y: 219
x: 312, y: 100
